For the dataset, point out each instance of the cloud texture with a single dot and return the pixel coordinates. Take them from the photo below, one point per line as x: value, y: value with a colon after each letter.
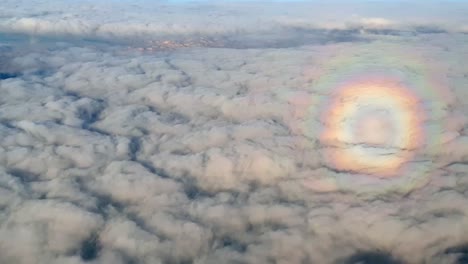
x: 203, y: 133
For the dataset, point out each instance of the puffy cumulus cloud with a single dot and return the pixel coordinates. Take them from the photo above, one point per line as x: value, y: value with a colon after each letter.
x: 188, y: 152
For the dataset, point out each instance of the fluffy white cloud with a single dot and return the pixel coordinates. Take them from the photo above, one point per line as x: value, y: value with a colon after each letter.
x: 192, y: 153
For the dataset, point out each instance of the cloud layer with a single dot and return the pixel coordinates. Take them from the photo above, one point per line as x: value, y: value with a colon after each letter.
x: 199, y: 142
x: 230, y: 22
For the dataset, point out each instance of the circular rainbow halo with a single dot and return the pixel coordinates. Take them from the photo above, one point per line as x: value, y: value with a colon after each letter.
x: 371, y: 126
x: 373, y: 114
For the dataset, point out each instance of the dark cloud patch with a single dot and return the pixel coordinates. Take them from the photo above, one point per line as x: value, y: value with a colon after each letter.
x: 386, y: 31
x: 194, y: 193
x: 6, y: 75
x: 90, y: 248
x: 172, y: 118
x: 232, y: 244
x: 134, y: 148
x: 104, y: 203
x: 429, y: 30
x: 371, y: 257
x: 90, y: 113
x: 459, y: 252
x: 23, y: 175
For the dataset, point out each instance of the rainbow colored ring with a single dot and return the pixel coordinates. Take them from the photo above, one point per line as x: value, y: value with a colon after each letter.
x: 375, y: 155
x: 398, y: 93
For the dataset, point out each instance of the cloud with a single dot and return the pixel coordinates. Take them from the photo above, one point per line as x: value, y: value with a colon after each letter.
x: 229, y: 24
x: 126, y: 141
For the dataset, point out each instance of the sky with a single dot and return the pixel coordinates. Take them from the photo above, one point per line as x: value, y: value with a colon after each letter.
x: 325, y: 132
